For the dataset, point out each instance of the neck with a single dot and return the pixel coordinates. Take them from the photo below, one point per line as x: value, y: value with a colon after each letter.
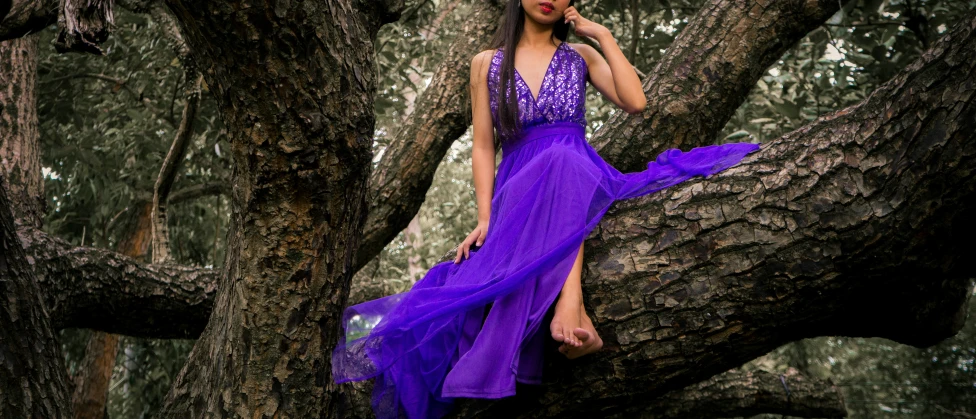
x: 536, y: 35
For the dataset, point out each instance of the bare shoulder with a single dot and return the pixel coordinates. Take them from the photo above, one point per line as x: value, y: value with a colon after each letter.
x: 480, y: 62
x: 585, y: 50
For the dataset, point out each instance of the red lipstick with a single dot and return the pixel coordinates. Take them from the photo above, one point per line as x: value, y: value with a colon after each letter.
x: 546, y: 7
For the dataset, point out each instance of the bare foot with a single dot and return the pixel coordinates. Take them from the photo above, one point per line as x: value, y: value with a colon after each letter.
x: 591, y: 341
x: 565, y: 320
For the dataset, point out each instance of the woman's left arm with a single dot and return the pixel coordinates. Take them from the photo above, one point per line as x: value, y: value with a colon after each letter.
x: 614, y: 77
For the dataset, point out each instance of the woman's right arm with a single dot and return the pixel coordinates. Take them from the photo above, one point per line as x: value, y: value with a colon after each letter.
x: 482, y: 151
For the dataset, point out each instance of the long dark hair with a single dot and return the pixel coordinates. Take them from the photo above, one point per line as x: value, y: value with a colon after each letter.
x: 507, y: 36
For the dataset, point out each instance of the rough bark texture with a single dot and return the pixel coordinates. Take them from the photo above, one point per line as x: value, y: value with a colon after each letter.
x: 730, y: 394
x: 19, y: 141
x: 294, y: 85
x: 745, y: 394
x: 27, y: 16
x: 870, y: 203
x: 443, y: 113
x: 706, y: 74
x: 32, y: 372
x: 685, y: 284
x: 83, y: 25
x: 87, y: 287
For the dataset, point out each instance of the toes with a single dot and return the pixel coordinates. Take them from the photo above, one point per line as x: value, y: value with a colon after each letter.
x: 581, y: 334
x: 557, y: 332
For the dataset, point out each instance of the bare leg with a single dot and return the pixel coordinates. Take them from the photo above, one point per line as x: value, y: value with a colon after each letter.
x: 570, y: 324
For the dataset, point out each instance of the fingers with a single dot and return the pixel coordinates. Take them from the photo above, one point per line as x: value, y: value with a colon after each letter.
x: 465, y: 246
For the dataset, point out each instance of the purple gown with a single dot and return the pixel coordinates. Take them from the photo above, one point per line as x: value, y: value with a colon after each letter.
x: 440, y: 340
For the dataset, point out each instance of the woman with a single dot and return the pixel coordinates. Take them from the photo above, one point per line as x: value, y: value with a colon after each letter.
x: 471, y: 328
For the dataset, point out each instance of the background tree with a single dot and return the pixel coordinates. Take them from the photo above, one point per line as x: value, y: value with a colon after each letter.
x: 857, y: 50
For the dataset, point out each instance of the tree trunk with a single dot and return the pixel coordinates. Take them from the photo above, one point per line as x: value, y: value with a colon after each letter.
x: 294, y: 85
x: 19, y: 142
x: 32, y: 372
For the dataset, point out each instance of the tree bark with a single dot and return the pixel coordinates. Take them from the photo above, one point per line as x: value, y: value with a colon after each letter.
x: 704, y: 77
x: 169, y: 169
x: 27, y: 16
x: 32, y: 370
x: 685, y: 284
x: 706, y: 74
x: 870, y: 203
x: 745, y: 394
x: 83, y: 25
x: 19, y: 139
x: 89, y: 398
x: 731, y: 394
x: 400, y: 182
x: 294, y: 86
x: 93, y: 288
x: 91, y: 384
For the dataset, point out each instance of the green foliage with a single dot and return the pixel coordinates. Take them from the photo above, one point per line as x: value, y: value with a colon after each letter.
x: 107, y: 122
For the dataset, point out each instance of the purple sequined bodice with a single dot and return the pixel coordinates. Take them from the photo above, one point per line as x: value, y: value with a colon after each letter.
x: 562, y: 96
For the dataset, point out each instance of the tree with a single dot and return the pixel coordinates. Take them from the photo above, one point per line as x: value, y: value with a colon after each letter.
x: 785, y: 246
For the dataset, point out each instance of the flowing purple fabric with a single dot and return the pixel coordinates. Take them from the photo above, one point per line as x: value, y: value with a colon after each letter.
x: 440, y: 340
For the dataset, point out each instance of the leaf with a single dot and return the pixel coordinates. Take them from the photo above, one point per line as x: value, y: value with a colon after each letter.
x: 737, y: 135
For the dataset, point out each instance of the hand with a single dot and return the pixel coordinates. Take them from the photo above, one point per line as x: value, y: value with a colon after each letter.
x: 583, y: 26
x: 476, y: 237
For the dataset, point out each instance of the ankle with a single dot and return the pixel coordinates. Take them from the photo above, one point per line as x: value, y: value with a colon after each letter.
x: 571, y: 299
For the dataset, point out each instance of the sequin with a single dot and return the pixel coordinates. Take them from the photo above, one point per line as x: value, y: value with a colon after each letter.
x: 561, y: 96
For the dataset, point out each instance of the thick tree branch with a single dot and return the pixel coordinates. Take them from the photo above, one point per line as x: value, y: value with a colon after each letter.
x: 706, y: 74
x: 294, y: 84
x: 731, y: 394
x: 442, y: 114
x: 27, y: 16
x: 98, y: 289
x: 737, y: 393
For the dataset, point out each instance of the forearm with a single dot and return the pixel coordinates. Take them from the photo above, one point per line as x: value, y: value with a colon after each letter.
x: 625, y: 80
x: 483, y: 164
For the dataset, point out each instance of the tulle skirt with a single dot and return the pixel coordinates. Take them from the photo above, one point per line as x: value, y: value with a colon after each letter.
x: 473, y: 329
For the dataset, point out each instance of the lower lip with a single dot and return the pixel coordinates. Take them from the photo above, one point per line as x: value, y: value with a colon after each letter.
x: 546, y: 10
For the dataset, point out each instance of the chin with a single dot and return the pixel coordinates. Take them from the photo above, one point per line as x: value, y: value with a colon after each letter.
x: 549, y: 19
